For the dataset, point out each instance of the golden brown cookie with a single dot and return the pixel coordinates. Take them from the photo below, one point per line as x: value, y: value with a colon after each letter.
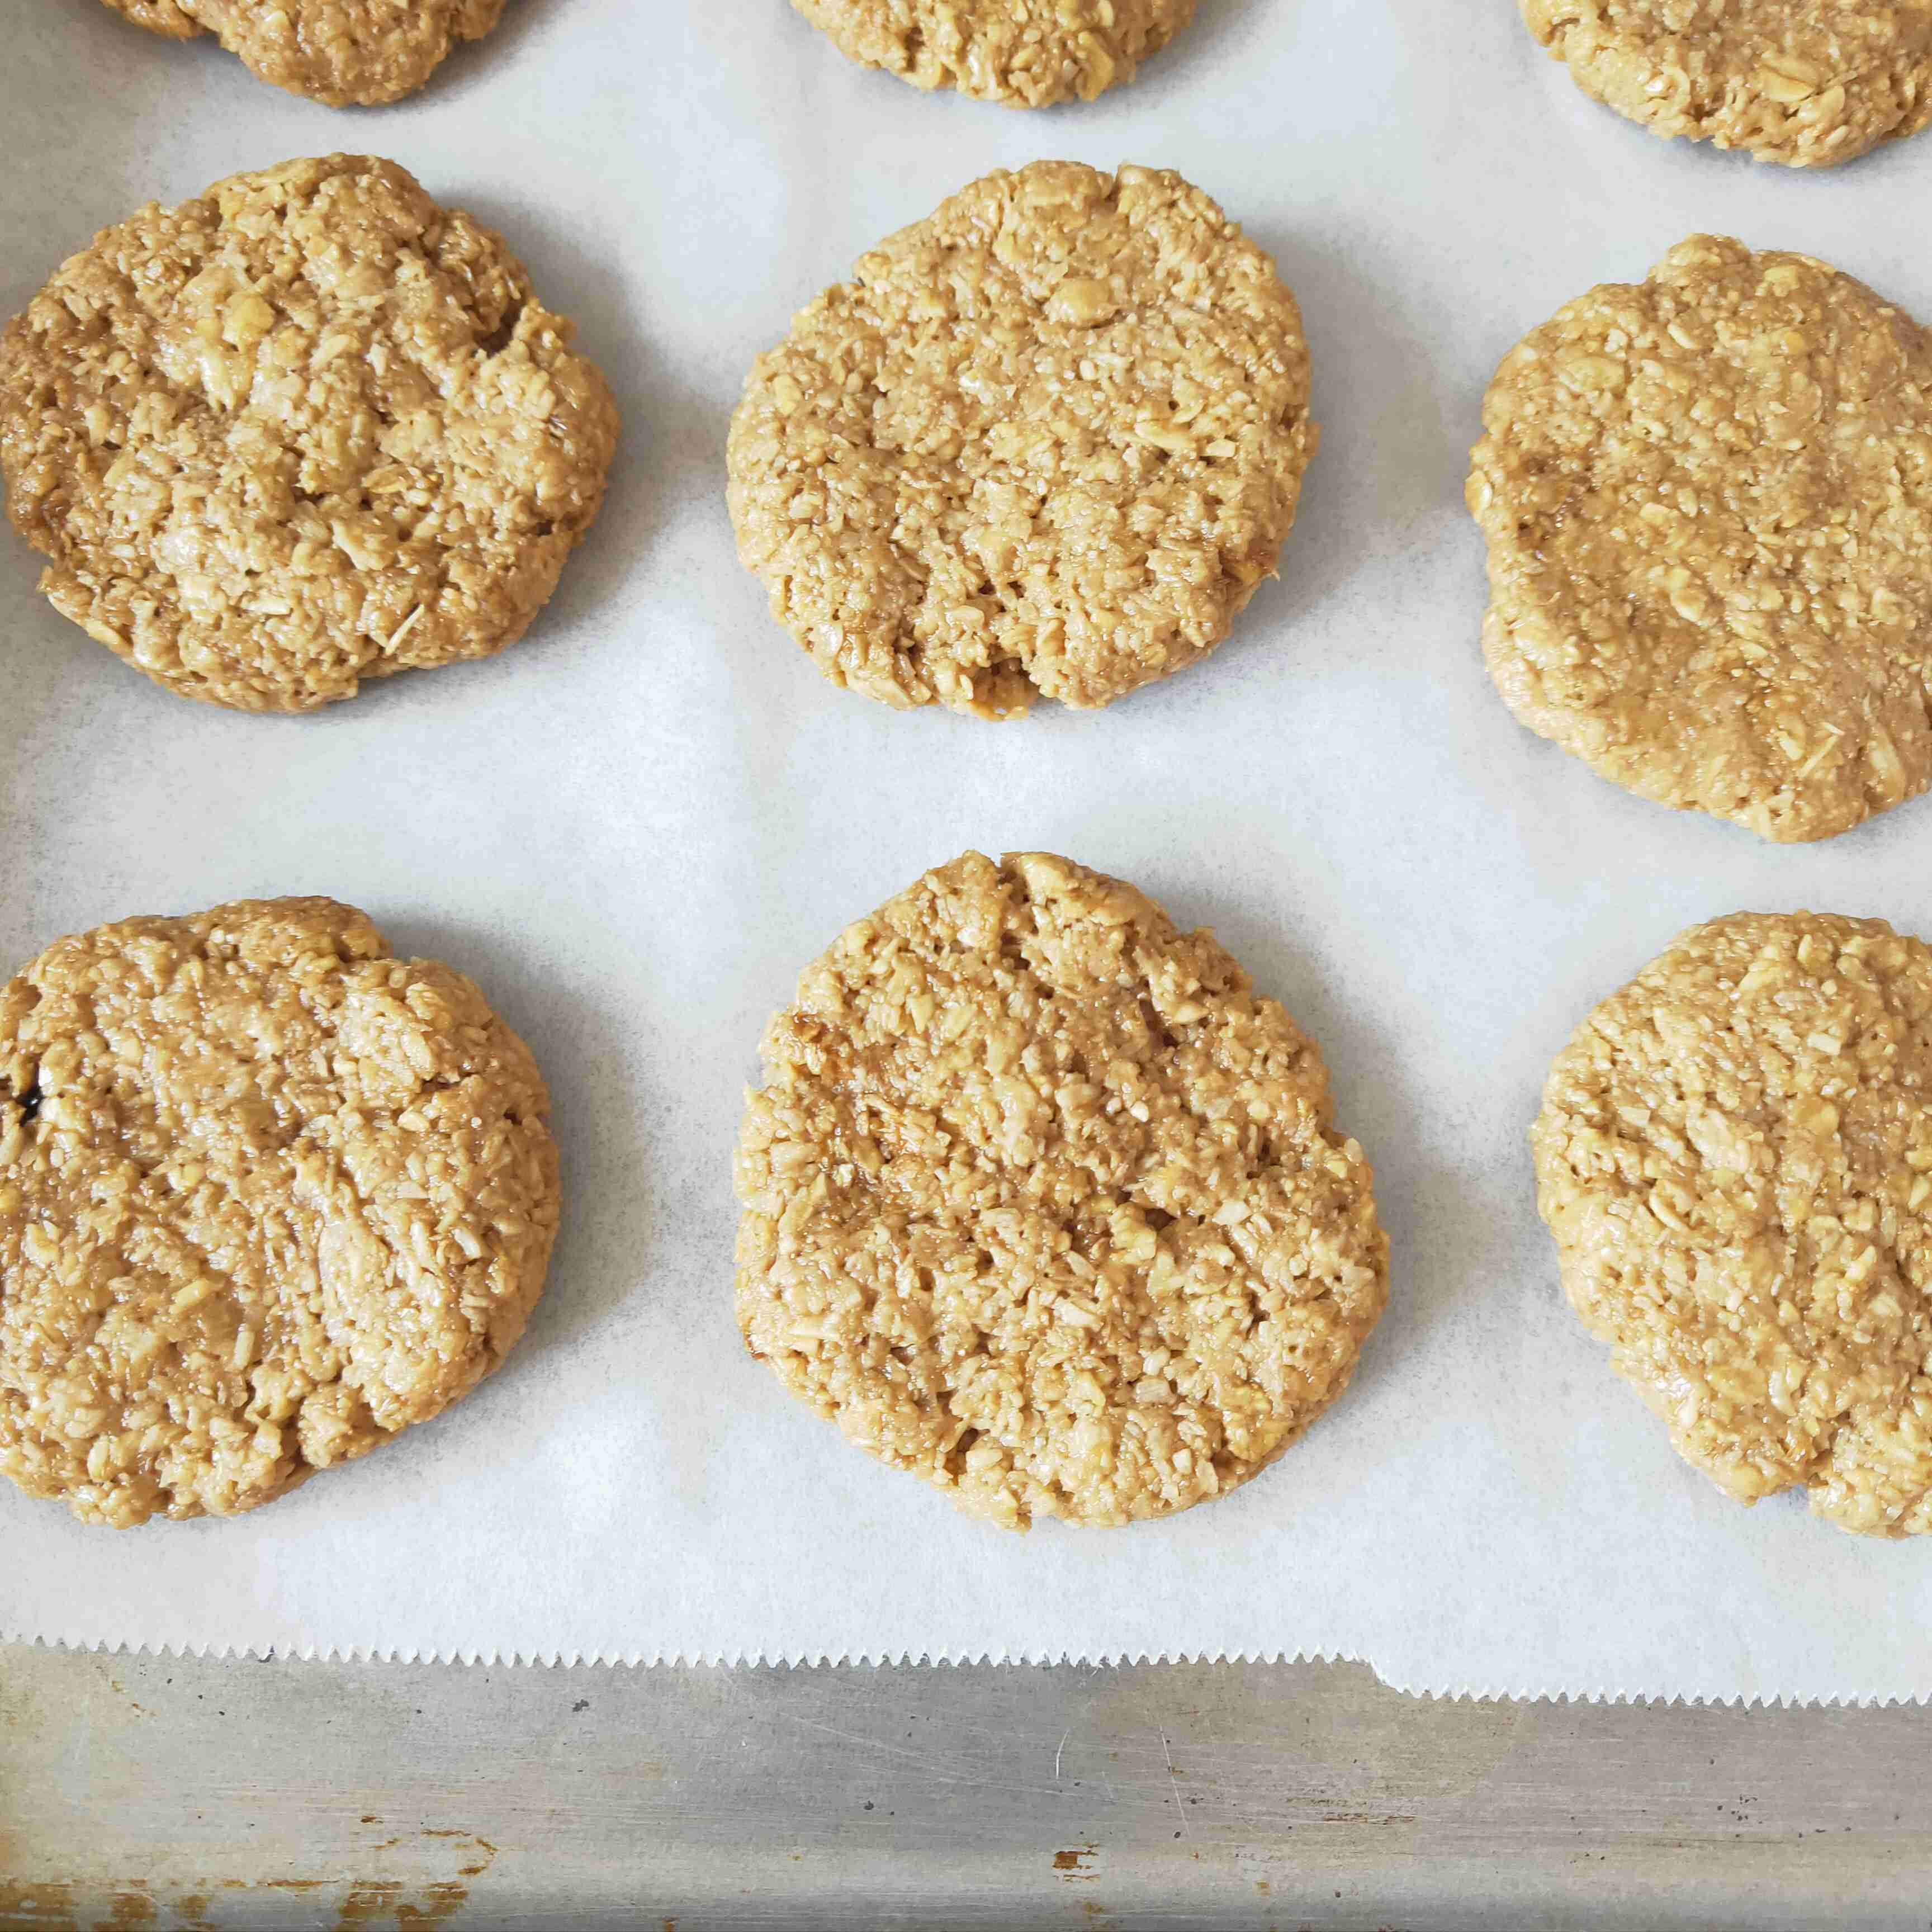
x: 1735, y: 1156
x: 1042, y: 1204
x: 1808, y: 82
x: 306, y: 430
x: 1023, y: 53
x: 1047, y: 443
x: 268, y: 1195
x: 341, y: 52
x: 1708, y: 500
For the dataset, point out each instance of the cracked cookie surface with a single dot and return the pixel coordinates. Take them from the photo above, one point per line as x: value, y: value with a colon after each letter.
x: 1806, y: 82
x: 1708, y: 501
x: 1734, y: 1157
x: 341, y: 52
x: 1046, y: 442
x: 268, y: 1195
x: 307, y: 429
x: 1042, y: 1204
x: 1024, y: 53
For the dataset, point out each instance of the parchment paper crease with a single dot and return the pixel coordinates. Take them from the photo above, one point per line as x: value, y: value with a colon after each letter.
x: 635, y: 828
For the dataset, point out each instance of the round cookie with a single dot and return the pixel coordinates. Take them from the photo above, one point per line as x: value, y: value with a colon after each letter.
x: 268, y: 1195
x: 1023, y: 53
x: 306, y: 430
x: 341, y: 52
x: 1806, y: 82
x: 1042, y: 1204
x: 1735, y: 1157
x: 1046, y: 442
x: 1708, y: 500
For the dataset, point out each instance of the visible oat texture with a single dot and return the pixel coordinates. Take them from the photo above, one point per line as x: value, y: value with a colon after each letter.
x: 341, y: 52
x: 1708, y: 500
x: 306, y: 430
x: 268, y: 1195
x: 1024, y: 53
x: 1042, y: 1203
x: 1806, y: 82
x: 1046, y: 443
x: 1735, y: 1156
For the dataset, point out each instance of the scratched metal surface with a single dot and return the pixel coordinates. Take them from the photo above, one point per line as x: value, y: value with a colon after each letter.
x: 186, y: 1793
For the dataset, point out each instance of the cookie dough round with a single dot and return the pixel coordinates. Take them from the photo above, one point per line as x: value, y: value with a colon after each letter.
x: 1023, y: 53
x: 1047, y: 443
x: 341, y: 52
x: 1042, y: 1203
x: 1708, y: 500
x: 1735, y: 1157
x: 268, y: 1195
x: 1808, y: 82
x: 306, y: 430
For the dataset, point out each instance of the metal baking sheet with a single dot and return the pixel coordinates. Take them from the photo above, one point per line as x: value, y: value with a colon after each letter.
x: 190, y: 1794
x: 636, y: 825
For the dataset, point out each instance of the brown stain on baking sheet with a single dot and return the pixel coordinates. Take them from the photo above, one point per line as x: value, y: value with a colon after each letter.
x: 36, y: 1908
x: 1077, y: 1863
x: 478, y: 1867
x: 378, y: 1901
x: 56, y: 1906
x: 374, y: 1901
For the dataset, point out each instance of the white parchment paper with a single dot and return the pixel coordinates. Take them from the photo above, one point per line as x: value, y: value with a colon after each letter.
x: 635, y: 827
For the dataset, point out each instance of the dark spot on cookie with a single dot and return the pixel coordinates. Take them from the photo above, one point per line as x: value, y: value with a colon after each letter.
x: 955, y: 1457
x: 28, y: 1099
x: 500, y: 338
x: 1155, y: 1030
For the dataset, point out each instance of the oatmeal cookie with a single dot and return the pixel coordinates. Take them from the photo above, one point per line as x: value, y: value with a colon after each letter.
x: 1042, y: 1203
x: 1808, y: 82
x: 1046, y: 442
x: 268, y: 1195
x: 1023, y: 53
x: 341, y: 52
x: 1708, y: 500
x: 307, y: 429
x: 1735, y: 1157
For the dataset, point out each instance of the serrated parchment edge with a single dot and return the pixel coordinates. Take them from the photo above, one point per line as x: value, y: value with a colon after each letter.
x: 1511, y: 1691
